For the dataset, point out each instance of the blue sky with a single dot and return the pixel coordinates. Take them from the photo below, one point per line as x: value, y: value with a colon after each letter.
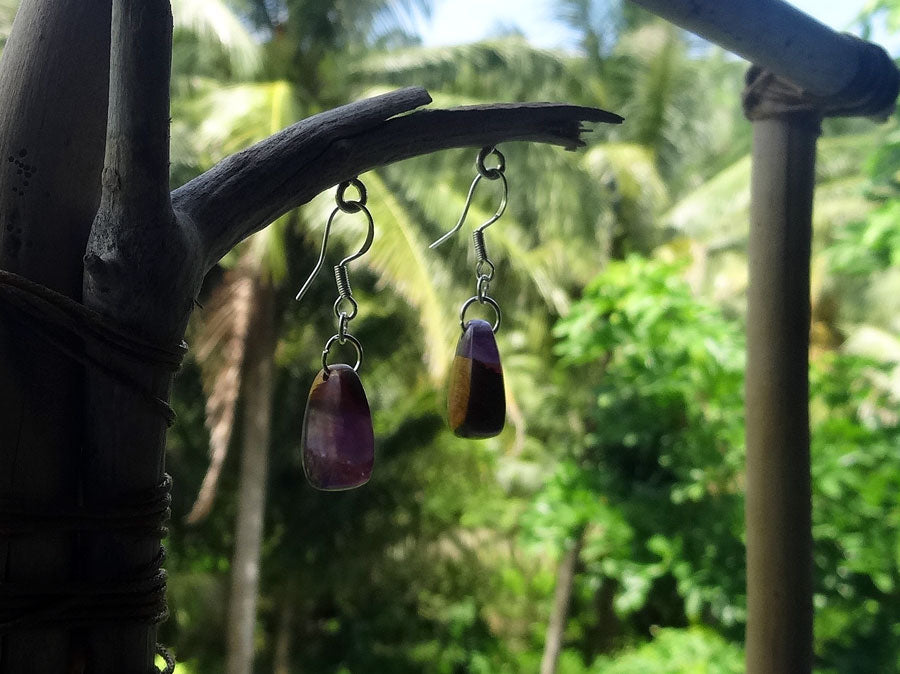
x: 459, y: 21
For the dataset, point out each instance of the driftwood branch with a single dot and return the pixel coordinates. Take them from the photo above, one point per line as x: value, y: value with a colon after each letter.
x: 248, y: 190
x: 140, y: 259
x: 137, y: 143
x: 136, y: 165
x: 137, y: 270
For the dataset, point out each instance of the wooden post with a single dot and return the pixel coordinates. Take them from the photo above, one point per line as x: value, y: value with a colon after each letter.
x: 53, y: 91
x: 778, y: 506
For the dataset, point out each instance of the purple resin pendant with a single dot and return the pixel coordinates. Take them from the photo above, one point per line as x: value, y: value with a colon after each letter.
x: 338, y: 443
x: 476, y: 403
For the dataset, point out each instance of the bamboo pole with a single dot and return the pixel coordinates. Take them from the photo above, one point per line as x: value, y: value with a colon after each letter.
x: 778, y: 501
x: 779, y: 37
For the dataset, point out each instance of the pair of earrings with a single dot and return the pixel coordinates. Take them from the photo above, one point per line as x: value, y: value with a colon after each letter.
x: 337, y: 441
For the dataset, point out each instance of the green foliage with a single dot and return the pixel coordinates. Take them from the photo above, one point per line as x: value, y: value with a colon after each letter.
x: 859, y: 258
x: 655, y: 485
x: 856, y: 516
x: 656, y: 476
x: 875, y: 9
x: 677, y: 651
x: 870, y: 245
x: 8, y: 10
x: 625, y: 430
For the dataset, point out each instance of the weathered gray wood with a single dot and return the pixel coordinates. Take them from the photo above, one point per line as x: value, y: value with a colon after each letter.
x: 246, y: 191
x: 139, y: 271
x: 53, y: 96
x: 772, y: 34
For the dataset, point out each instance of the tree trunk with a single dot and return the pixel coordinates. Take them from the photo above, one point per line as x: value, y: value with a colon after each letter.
x: 257, y: 407
x: 565, y: 578
x: 285, y: 639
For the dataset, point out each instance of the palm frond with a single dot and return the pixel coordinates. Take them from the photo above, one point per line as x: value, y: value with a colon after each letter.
x: 596, y: 23
x: 213, y: 22
x: 507, y: 68
x: 399, y: 16
x: 628, y: 172
x: 268, y: 248
x: 221, y: 345
x: 719, y: 209
x: 678, y: 103
x: 232, y: 118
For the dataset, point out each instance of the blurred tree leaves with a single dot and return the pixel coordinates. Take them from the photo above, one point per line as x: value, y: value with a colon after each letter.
x: 626, y: 423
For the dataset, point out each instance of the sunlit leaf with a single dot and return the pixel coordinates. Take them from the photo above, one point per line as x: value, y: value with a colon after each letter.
x: 215, y: 23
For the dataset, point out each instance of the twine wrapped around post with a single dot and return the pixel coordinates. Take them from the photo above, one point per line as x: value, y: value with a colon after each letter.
x: 69, y: 326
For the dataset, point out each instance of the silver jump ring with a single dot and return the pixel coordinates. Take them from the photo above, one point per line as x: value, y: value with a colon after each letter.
x: 343, y: 322
x: 479, y: 269
x: 486, y: 300
x: 354, y: 205
x: 482, y: 288
x: 494, y: 172
x: 340, y: 311
x: 343, y: 339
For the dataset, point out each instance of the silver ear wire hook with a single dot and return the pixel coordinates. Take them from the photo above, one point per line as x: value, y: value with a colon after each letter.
x: 340, y: 269
x: 493, y: 173
x: 484, y: 268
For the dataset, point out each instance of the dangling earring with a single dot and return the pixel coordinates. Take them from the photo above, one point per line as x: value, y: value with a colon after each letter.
x: 338, y: 443
x: 476, y: 401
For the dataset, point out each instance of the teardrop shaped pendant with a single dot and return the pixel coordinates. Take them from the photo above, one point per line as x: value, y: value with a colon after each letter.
x: 476, y: 401
x: 338, y: 442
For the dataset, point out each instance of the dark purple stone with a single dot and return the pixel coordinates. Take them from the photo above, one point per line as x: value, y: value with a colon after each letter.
x: 476, y: 401
x: 338, y: 443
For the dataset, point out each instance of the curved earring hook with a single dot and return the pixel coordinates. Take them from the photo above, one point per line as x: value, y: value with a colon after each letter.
x: 490, y: 174
x: 370, y: 236
x: 346, y: 207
